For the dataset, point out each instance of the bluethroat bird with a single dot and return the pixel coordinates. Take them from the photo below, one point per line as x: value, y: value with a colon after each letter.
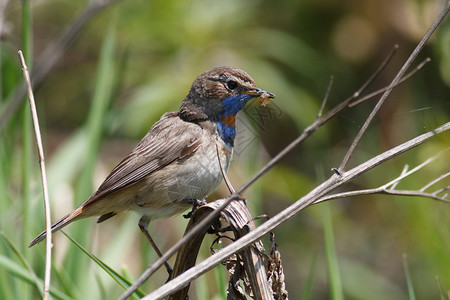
x: 176, y: 164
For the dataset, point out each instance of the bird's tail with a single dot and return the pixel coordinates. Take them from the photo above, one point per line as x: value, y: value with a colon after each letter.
x: 59, y: 225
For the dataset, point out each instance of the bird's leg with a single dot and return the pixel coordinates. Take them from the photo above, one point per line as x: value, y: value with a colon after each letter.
x: 195, y: 203
x: 143, y: 226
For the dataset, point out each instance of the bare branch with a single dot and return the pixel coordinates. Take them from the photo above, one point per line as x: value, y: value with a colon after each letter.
x: 394, y: 82
x: 48, y: 224
x: 435, y: 181
x: 389, y: 188
x: 320, y: 191
x: 224, y: 173
x: 316, y: 125
x: 376, y: 73
x: 380, y: 190
x: 241, y: 223
x: 187, y: 255
x: 404, y: 171
x: 403, y: 79
x: 416, y: 193
x: 441, y: 191
x: 168, y: 254
x: 325, y: 98
x: 335, y: 181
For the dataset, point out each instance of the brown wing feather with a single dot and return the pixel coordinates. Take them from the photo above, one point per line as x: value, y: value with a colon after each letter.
x: 169, y: 139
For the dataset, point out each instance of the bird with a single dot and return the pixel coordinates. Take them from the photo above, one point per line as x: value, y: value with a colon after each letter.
x: 176, y: 164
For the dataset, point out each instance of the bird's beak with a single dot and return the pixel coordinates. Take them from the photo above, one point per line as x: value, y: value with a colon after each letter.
x: 264, y: 96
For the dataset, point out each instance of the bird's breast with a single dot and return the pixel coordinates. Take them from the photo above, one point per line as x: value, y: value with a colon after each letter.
x: 192, y: 177
x: 205, y: 171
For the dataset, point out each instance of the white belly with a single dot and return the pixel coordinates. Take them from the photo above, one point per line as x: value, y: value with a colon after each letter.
x: 193, y: 177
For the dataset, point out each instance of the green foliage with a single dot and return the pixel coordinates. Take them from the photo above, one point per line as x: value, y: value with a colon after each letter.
x: 136, y: 60
x: 336, y: 292
x: 122, y: 281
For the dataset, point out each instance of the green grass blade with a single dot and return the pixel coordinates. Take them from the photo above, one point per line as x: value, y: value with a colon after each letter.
x: 307, y: 290
x: 441, y: 291
x: 28, y: 164
x: 27, y: 130
x: 100, y: 103
x: 409, y: 284
x: 94, y: 131
x: 219, y: 273
x: 20, y: 272
x: 25, y: 272
x: 23, y: 260
x: 122, y: 281
x: 334, y: 276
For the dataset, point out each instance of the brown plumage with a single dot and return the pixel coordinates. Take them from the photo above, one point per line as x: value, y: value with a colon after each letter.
x: 176, y: 162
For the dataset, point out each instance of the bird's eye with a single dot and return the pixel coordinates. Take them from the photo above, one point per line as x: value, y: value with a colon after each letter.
x: 231, y: 84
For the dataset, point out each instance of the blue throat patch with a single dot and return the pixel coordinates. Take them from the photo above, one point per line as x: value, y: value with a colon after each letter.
x: 226, y: 133
x: 231, y: 106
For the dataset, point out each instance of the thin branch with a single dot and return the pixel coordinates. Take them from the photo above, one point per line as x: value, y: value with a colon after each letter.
x: 404, y: 171
x: 320, y: 191
x: 416, y: 194
x: 377, y: 72
x: 389, y: 188
x: 405, y: 174
x: 380, y: 190
x: 48, y: 224
x: 224, y: 173
x: 403, y: 79
x: 325, y: 98
x: 435, y: 181
x: 52, y: 54
x: 169, y: 253
x: 241, y: 222
x: 188, y: 253
x: 207, y: 221
x: 317, y: 124
x: 396, y: 79
x: 305, y: 201
x: 441, y: 191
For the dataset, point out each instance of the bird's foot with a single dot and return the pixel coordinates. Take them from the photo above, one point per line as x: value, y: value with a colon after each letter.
x: 195, y: 204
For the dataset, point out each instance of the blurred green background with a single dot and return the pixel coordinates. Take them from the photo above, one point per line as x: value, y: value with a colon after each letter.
x: 136, y: 60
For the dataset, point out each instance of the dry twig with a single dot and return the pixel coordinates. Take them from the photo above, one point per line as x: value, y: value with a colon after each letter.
x: 252, y: 271
x: 390, y: 187
x: 329, y: 185
x: 394, y: 82
x: 336, y: 180
x: 48, y: 224
x: 224, y: 173
x: 205, y: 222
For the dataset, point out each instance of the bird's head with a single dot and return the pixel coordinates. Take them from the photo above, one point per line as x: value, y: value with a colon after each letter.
x: 218, y: 95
